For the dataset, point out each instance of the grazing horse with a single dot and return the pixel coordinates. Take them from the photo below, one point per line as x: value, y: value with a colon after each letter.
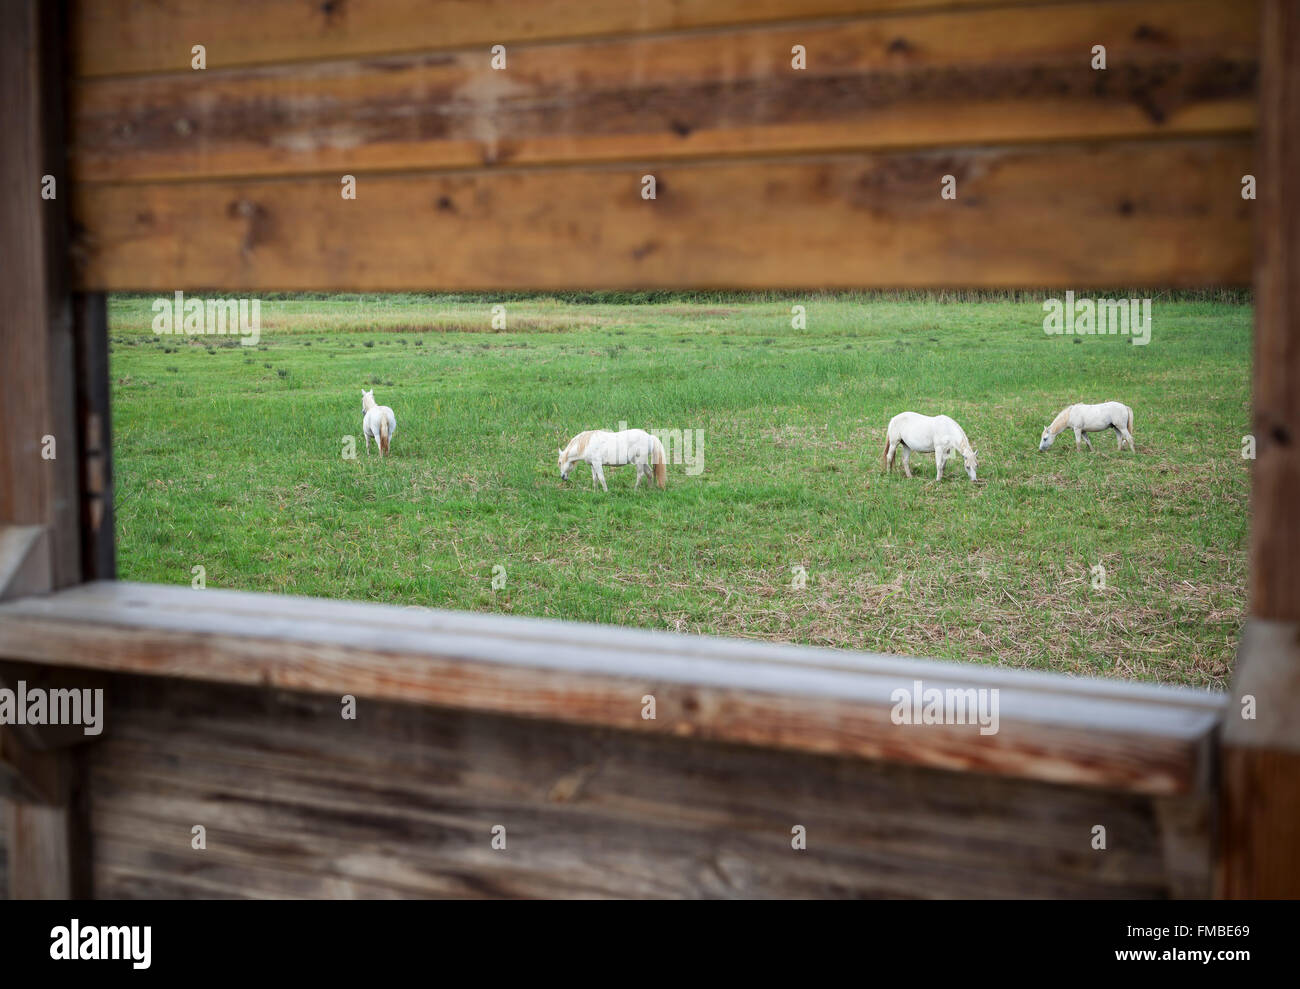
x: 915, y: 432
x: 378, y: 422
x: 1085, y: 419
x: 601, y: 449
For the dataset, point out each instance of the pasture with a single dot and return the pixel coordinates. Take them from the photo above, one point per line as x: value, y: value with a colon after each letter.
x: 231, y: 457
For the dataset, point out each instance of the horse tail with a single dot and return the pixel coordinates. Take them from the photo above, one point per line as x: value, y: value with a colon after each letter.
x: 661, y: 467
x: 383, y: 435
x: 884, y: 457
x: 1130, y: 421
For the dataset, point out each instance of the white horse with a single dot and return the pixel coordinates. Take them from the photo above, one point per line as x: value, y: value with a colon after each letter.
x: 1085, y: 419
x: 378, y: 422
x: 915, y: 432
x: 601, y: 449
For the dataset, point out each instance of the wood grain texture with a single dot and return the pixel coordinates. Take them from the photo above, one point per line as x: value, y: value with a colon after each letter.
x: 29, y: 774
x: 1132, y: 213
x: 1275, y: 491
x: 968, y: 77
x: 1260, y: 759
x: 297, y: 802
x: 114, y: 37
x: 25, y: 560
x: 40, y: 851
x: 1111, y: 734
x: 1261, y: 756
x: 36, y: 345
x: 1260, y: 854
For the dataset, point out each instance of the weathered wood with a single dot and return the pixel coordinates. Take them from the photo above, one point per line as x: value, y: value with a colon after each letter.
x: 1260, y: 853
x: 45, y: 831
x: 1134, y: 213
x: 114, y: 37
x: 1260, y: 790
x: 298, y: 802
x: 971, y: 77
x: 1275, y: 491
x: 1125, y: 736
x: 28, y: 774
x: 39, y: 482
x: 36, y: 347
x: 1261, y: 755
x: 40, y: 851
x: 24, y: 560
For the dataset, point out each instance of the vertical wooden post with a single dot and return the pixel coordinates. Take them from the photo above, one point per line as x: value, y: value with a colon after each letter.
x: 1261, y: 755
x: 41, y: 442
x: 39, y: 400
x: 98, y: 553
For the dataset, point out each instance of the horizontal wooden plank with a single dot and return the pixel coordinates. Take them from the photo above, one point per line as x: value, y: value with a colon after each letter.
x: 1109, y: 734
x: 114, y: 37
x: 1136, y: 213
x: 297, y: 802
x: 980, y: 76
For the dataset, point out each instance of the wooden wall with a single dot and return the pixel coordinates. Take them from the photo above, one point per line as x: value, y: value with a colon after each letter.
x: 767, y: 176
x: 298, y: 802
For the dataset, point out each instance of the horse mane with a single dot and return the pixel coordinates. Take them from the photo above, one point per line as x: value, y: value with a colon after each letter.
x: 578, y: 445
x: 1059, y: 422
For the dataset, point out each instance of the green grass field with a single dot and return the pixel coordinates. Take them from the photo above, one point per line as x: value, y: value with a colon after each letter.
x: 230, y: 457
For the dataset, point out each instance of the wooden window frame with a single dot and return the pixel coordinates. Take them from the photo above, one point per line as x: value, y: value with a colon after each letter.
x: 65, y: 611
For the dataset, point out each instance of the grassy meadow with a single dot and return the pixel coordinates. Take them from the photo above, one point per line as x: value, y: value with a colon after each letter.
x: 231, y: 457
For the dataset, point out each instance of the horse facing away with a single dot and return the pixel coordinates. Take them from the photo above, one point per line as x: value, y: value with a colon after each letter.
x: 378, y: 422
x: 601, y: 448
x: 1084, y: 419
x: 915, y: 432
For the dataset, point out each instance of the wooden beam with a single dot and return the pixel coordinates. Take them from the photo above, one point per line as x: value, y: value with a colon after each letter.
x: 1275, y: 540
x: 1261, y: 737
x: 1083, y: 732
x: 117, y: 37
x: 984, y: 76
x: 40, y: 447
x: 46, y: 826
x: 30, y: 775
x: 298, y: 802
x: 47, y: 845
x: 39, y: 444
x: 24, y: 560
x: 1132, y: 213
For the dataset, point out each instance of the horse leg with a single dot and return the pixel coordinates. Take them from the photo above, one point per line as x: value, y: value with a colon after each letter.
x: 639, y: 470
x: 907, y: 458
x: 597, y: 474
x: 367, y: 436
x: 1078, y: 437
x: 1087, y: 442
x: 938, y: 463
